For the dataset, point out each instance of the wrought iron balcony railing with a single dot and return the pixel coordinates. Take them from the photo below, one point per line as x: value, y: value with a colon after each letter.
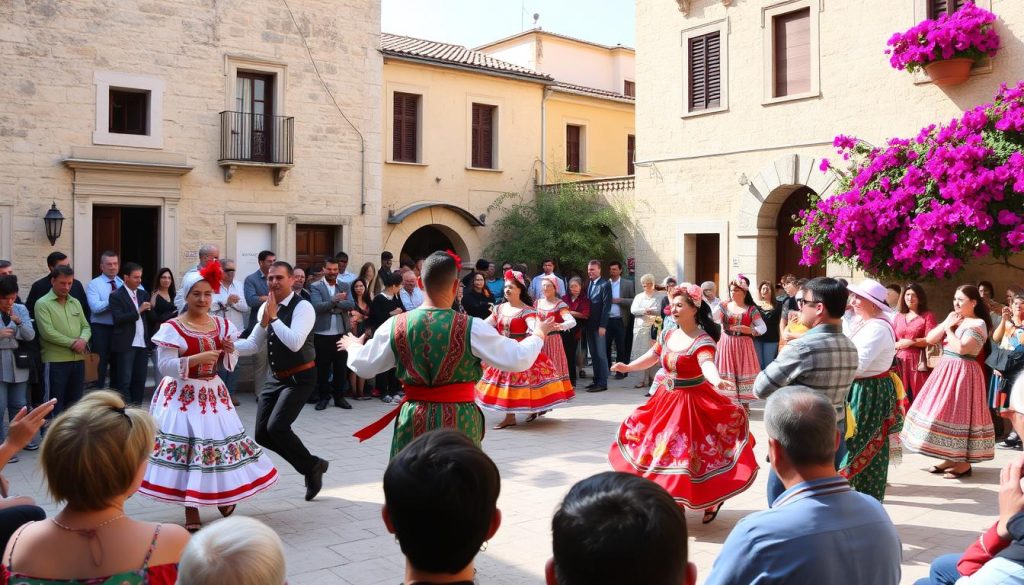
x: 249, y: 139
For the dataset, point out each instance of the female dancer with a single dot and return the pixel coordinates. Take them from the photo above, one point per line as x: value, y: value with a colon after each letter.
x: 912, y: 323
x: 203, y: 456
x: 552, y: 306
x: 646, y: 308
x: 873, y: 400
x: 539, y: 388
x: 949, y: 420
x: 736, y: 358
x: 358, y: 320
x: 689, y: 438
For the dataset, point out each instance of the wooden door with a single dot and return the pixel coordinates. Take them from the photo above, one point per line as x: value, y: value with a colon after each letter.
x: 106, y: 235
x: 707, y: 266
x: 787, y: 251
x: 312, y: 244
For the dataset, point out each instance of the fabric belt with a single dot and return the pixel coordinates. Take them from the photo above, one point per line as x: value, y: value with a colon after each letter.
x: 686, y: 382
x: 445, y: 393
x: 953, y: 354
x: 884, y: 374
x: 297, y: 369
x: 737, y: 334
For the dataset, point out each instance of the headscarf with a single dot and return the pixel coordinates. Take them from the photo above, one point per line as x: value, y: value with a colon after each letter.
x: 211, y: 273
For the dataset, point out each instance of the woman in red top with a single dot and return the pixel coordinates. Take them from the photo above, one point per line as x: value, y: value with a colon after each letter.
x: 579, y: 308
x: 912, y: 324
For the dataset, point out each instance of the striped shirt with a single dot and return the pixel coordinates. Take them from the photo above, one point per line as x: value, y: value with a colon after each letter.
x: 823, y: 359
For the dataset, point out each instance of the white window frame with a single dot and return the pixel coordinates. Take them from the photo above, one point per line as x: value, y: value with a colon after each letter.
x: 499, y: 104
x: 921, y: 13
x: 389, y: 109
x: 768, y: 14
x: 104, y: 81
x: 566, y: 122
x: 722, y: 27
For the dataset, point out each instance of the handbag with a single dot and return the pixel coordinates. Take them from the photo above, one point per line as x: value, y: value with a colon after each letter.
x: 23, y: 356
x: 931, y: 355
x: 92, y: 367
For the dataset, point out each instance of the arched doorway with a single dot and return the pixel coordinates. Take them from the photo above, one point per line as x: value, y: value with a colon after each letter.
x: 787, y: 251
x: 425, y: 241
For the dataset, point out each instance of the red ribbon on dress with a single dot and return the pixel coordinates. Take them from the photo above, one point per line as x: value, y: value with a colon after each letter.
x: 447, y: 393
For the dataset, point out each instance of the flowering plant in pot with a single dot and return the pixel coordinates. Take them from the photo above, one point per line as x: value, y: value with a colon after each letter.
x: 923, y: 207
x: 947, y: 46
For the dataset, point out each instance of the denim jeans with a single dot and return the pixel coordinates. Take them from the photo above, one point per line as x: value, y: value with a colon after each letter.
x: 13, y: 398
x: 766, y: 351
x: 943, y: 571
x: 598, y: 356
x: 775, y: 486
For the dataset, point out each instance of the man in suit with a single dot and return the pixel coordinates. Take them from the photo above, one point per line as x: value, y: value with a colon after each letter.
x: 41, y: 287
x: 332, y: 305
x: 256, y: 291
x: 98, y: 292
x: 128, y: 307
x: 597, y: 326
x: 620, y: 316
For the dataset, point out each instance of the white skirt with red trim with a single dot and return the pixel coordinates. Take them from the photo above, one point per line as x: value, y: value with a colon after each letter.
x: 202, y: 456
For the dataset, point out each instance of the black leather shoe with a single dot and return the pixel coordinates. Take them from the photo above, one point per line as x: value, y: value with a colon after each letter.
x: 322, y: 404
x: 619, y: 375
x: 315, y: 479
x: 312, y: 399
x: 598, y: 389
x: 340, y: 402
x: 591, y: 385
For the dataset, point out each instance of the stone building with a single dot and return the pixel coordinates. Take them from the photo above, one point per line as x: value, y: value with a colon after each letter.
x: 157, y: 126
x: 740, y: 101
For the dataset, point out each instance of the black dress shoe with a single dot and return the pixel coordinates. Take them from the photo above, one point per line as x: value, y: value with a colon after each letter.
x: 313, y: 399
x: 591, y: 385
x: 619, y: 375
x: 340, y: 402
x: 321, y: 404
x: 598, y: 389
x: 315, y: 479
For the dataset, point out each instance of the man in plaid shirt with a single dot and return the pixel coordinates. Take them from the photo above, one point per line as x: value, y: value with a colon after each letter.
x: 823, y: 359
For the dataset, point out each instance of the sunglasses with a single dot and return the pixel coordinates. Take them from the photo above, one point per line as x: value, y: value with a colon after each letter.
x: 802, y: 302
x: 229, y: 270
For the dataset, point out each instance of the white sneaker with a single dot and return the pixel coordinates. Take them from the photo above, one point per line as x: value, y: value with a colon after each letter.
x: 386, y: 399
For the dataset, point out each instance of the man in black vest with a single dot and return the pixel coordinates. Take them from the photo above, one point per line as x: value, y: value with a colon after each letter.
x: 285, y: 322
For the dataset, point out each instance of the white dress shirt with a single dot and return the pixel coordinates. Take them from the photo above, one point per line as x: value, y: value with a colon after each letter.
x: 411, y: 300
x: 876, y: 345
x: 504, y: 353
x: 535, y: 291
x: 98, y: 294
x: 303, y: 319
x: 140, y: 329
x: 237, y: 313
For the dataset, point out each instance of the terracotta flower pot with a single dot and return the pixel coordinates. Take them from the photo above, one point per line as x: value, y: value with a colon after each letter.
x: 949, y: 72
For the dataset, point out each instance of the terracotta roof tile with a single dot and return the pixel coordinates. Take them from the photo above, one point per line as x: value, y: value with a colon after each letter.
x: 456, y: 55
x: 581, y: 89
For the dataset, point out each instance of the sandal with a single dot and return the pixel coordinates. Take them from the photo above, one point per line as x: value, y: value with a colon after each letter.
x: 226, y: 511
x: 957, y: 475
x: 710, y: 515
x: 937, y: 469
x: 503, y: 425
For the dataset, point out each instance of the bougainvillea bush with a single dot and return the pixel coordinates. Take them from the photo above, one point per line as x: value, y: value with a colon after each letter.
x: 924, y: 206
x: 969, y: 33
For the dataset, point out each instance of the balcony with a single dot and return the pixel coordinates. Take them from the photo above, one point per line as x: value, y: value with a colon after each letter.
x: 256, y: 140
x: 608, y: 187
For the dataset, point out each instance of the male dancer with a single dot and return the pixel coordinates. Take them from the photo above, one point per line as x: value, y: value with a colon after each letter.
x: 285, y: 323
x: 437, y: 353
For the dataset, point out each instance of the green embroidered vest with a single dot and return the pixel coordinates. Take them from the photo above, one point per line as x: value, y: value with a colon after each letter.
x: 432, y: 348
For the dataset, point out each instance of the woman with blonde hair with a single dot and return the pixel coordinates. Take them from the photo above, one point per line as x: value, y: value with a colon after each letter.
x: 239, y: 551
x: 93, y: 459
x: 645, y: 308
x: 368, y: 274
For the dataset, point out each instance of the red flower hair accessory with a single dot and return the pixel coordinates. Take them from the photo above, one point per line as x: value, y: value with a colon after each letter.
x: 515, y: 275
x: 212, y: 273
x: 458, y: 261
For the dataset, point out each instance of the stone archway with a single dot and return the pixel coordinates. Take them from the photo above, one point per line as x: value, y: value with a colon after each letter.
x: 443, y: 221
x: 762, y: 199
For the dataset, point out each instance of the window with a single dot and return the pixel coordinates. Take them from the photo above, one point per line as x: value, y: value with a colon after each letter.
x: 405, y: 129
x: 254, y: 128
x: 937, y: 8
x: 483, y: 135
x: 791, y: 53
x: 573, y: 135
x: 705, y: 72
x: 129, y: 111
x: 630, y: 154
x: 629, y: 88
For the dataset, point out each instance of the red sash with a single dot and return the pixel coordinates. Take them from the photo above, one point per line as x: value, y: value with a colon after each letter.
x: 446, y: 393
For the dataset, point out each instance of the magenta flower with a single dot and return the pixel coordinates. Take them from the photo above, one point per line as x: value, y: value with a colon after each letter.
x: 968, y: 33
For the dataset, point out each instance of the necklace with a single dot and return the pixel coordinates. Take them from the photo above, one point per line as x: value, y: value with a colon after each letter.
x: 90, y: 534
x: 197, y: 326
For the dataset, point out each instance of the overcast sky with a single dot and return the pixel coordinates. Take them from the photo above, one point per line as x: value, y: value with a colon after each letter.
x: 475, y: 22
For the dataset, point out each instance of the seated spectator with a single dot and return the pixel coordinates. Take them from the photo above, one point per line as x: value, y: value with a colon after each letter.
x: 239, y: 551
x: 997, y: 556
x: 440, y: 502
x: 93, y: 459
x: 16, y: 511
x: 615, y: 528
x: 819, y: 530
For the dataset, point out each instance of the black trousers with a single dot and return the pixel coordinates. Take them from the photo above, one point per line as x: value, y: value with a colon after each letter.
x: 569, y: 344
x: 99, y: 343
x: 131, y: 374
x: 387, y: 383
x: 617, y: 335
x: 13, y: 518
x: 278, y: 405
x: 330, y: 361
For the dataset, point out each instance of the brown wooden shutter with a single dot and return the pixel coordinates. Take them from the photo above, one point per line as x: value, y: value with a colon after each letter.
x: 792, y: 49
x: 629, y: 88
x: 937, y: 8
x: 483, y: 136
x: 405, y: 127
x: 630, y: 154
x: 572, y: 149
x: 705, y: 72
